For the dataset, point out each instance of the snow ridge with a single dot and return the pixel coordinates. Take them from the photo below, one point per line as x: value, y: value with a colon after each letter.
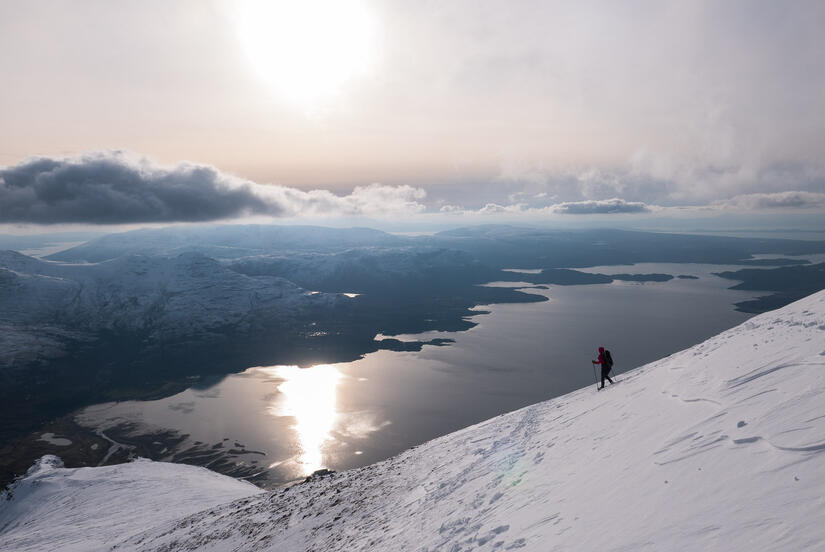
x: 718, y: 447
x: 83, y: 509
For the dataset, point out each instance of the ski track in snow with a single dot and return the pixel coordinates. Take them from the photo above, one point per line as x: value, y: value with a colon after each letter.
x: 718, y: 447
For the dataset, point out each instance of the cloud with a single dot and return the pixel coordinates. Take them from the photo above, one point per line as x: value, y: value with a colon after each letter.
x: 118, y: 188
x: 375, y: 200
x: 122, y: 188
x: 599, y: 207
x: 111, y: 188
x: 495, y: 208
x: 779, y: 200
x: 526, y: 211
x: 653, y: 178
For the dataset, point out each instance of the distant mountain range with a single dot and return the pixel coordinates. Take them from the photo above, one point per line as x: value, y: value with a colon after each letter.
x: 497, y: 246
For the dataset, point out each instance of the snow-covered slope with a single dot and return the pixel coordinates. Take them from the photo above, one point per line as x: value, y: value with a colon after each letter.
x: 718, y: 447
x: 82, y: 509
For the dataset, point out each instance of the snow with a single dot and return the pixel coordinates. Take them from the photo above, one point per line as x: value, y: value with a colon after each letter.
x: 54, y: 440
x: 186, y: 296
x: 83, y: 509
x: 718, y: 447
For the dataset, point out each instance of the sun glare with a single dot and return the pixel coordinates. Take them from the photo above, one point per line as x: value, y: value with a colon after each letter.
x: 309, y: 396
x: 307, y: 50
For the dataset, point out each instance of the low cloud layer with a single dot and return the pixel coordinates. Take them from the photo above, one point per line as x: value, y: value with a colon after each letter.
x: 600, y: 207
x: 654, y: 179
x: 115, y: 188
x: 613, y: 206
x: 779, y: 200
x: 120, y: 188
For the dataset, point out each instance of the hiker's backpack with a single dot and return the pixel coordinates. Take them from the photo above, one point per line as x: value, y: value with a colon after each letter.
x: 608, y: 359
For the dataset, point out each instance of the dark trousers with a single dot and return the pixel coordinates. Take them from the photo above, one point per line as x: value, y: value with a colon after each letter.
x: 605, y: 371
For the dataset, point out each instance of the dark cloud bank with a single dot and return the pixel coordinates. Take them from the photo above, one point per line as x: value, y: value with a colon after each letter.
x: 119, y: 188
x: 111, y: 189
x: 602, y: 207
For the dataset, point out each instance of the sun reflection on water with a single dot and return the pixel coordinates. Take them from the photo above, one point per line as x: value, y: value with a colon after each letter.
x: 309, y: 396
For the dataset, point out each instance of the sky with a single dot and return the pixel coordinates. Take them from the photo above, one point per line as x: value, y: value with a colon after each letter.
x: 155, y: 112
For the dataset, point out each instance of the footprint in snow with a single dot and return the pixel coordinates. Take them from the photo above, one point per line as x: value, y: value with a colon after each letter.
x: 495, y: 497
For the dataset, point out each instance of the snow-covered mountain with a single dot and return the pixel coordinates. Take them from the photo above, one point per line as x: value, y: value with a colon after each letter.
x: 718, y: 447
x: 162, y: 298
x: 373, y: 269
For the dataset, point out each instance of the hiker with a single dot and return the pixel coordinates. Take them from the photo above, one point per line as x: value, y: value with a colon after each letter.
x: 607, y: 364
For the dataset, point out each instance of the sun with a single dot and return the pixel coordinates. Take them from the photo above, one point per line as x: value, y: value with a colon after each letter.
x: 307, y: 50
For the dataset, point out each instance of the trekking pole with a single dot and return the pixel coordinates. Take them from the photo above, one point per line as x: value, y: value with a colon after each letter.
x: 595, y: 377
